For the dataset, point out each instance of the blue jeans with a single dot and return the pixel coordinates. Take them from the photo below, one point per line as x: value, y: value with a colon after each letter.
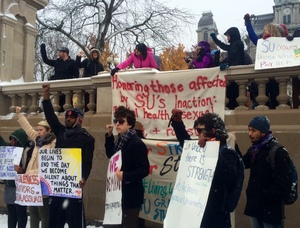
x: 256, y: 223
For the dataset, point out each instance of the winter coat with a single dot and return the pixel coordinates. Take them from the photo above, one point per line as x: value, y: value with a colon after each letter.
x: 135, y: 166
x: 215, y: 216
x: 78, y: 137
x: 32, y: 167
x: 204, y: 59
x: 235, y: 49
x: 10, y: 187
x: 267, y: 187
x: 62, y: 69
x: 91, y: 66
x: 251, y: 33
x: 138, y: 61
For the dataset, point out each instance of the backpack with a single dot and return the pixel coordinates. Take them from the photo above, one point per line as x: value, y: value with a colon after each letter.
x: 293, y: 194
x: 231, y: 198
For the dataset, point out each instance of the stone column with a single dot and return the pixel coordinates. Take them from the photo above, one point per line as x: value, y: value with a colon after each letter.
x: 29, y: 53
x: 242, y: 99
x: 261, y: 98
x: 7, y: 25
x: 282, y: 98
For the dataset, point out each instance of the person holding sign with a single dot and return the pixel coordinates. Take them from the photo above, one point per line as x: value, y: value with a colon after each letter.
x: 210, y: 127
x: 71, y: 135
x: 45, y: 139
x: 135, y: 163
x: 17, y: 214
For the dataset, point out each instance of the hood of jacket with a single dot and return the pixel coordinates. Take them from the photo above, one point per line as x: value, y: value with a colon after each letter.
x: 205, y: 45
x: 21, y: 136
x: 95, y: 50
x: 234, y: 34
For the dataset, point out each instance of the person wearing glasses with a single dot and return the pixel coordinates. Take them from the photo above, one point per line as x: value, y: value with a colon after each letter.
x: 135, y: 163
x: 210, y: 127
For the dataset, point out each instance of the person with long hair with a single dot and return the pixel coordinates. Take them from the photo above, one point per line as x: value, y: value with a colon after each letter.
x: 142, y: 57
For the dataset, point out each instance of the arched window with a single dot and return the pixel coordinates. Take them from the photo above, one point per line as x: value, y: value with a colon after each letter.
x: 286, y: 19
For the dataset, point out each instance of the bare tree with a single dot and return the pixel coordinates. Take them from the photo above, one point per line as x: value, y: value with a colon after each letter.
x: 121, y: 22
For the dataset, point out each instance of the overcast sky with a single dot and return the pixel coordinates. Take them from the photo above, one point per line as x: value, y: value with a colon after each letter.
x: 226, y: 13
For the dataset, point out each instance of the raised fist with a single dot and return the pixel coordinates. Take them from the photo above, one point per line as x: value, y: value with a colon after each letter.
x: 177, y: 115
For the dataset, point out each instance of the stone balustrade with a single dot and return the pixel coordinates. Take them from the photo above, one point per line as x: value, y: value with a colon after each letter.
x: 94, y: 94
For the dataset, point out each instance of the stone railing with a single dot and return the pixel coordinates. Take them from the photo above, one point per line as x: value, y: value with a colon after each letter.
x: 94, y: 94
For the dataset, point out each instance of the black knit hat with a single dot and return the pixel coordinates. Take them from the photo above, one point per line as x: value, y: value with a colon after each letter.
x: 261, y: 123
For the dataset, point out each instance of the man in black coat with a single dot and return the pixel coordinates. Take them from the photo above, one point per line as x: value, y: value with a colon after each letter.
x: 135, y: 164
x: 70, y: 135
x: 267, y: 186
x: 211, y: 127
x: 64, y: 66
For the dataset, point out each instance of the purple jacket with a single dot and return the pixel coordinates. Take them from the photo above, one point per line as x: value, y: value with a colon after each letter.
x: 138, y: 62
x: 205, y: 59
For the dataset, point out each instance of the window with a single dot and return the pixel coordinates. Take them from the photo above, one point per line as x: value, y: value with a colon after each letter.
x: 286, y: 19
x: 205, y: 36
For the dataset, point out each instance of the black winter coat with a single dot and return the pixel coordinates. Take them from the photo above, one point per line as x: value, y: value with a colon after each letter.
x: 135, y: 166
x: 79, y: 139
x: 62, y: 69
x: 91, y: 67
x: 215, y: 215
x: 235, y: 49
x: 267, y: 187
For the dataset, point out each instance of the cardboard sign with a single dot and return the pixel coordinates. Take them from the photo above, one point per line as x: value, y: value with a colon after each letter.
x: 192, y: 186
x: 9, y: 156
x: 277, y: 52
x: 113, y: 200
x: 60, y: 172
x: 28, y: 190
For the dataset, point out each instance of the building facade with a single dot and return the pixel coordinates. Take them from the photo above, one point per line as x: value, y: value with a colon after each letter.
x: 17, y: 38
x: 284, y: 12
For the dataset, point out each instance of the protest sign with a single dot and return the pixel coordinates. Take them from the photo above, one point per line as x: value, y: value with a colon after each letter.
x: 192, y: 186
x: 113, y: 200
x: 28, y: 190
x: 9, y: 156
x: 152, y: 97
x: 60, y: 172
x: 164, y: 158
x: 277, y: 52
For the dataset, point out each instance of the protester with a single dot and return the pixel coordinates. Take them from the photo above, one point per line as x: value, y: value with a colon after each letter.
x: 64, y: 66
x: 270, y: 30
x: 135, y: 163
x: 203, y: 59
x: 235, y: 48
x: 142, y: 57
x: 216, y: 56
x: 45, y: 139
x: 92, y: 65
x: 210, y: 127
x: 71, y: 135
x: 267, y: 186
x: 17, y: 214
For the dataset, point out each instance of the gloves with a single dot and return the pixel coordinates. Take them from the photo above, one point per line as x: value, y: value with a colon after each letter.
x: 43, y: 46
x: 213, y: 35
x: 223, y: 66
x: 289, y: 38
x: 177, y: 115
x: 247, y: 18
x: 113, y: 71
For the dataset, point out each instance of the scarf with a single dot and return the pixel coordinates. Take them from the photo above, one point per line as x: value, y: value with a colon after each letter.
x: 71, y: 131
x: 47, y: 139
x: 257, y: 146
x: 122, y: 139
